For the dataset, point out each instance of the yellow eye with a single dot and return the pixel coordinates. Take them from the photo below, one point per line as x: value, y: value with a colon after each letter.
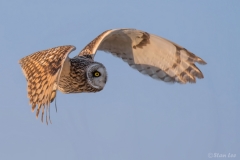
x: 96, y: 74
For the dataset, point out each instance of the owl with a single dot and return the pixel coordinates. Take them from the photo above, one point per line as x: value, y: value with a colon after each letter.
x: 50, y: 70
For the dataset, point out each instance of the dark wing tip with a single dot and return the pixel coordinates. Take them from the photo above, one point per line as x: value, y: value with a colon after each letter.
x: 73, y: 48
x: 201, y: 61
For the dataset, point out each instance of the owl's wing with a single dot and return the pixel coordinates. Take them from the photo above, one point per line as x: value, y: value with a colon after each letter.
x: 41, y: 70
x: 149, y: 54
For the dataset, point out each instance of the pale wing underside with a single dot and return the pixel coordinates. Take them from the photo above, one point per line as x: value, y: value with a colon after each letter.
x: 149, y: 54
x: 41, y: 70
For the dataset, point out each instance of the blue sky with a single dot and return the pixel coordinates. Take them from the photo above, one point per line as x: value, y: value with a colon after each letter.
x: 134, y: 117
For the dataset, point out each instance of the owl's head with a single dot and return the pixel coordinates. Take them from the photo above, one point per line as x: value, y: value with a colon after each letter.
x: 96, y: 75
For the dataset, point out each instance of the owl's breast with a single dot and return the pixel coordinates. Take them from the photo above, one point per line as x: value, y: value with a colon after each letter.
x: 68, y: 84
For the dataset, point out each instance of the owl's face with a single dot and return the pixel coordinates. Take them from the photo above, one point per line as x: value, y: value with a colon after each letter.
x: 96, y: 75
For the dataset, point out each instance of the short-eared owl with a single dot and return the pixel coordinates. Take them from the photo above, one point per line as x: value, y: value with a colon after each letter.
x: 52, y: 69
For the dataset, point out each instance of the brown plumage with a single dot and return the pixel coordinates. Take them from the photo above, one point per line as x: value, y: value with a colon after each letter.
x: 41, y: 71
x: 49, y: 70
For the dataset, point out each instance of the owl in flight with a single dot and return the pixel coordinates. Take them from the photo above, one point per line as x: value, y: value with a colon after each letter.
x: 50, y: 70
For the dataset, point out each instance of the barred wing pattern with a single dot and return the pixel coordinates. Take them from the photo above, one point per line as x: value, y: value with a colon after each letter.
x: 149, y: 54
x: 41, y: 70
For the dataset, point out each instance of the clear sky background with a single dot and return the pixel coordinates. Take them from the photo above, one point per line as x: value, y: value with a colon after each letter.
x: 134, y: 117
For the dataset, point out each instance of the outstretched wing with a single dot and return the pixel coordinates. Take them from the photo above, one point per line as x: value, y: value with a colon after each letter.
x: 149, y: 54
x: 41, y: 70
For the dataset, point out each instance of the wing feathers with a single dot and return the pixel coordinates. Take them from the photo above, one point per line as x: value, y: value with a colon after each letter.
x: 149, y: 54
x: 41, y: 71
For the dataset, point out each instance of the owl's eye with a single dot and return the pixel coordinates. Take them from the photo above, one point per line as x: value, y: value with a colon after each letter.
x: 96, y: 74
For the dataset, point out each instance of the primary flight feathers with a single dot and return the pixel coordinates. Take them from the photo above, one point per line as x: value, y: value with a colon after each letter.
x: 49, y: 70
